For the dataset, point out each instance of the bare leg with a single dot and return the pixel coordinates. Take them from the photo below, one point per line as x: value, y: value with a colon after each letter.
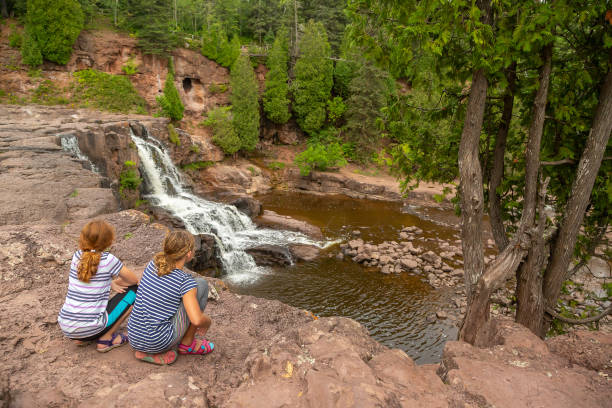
x: 166, y: 357
x: 187, y: 339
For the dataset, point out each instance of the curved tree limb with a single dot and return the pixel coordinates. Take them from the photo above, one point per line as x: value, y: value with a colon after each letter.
x: 579, y: 321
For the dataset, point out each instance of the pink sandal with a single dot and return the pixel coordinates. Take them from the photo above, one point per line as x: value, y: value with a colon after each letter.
x: 205, y: 348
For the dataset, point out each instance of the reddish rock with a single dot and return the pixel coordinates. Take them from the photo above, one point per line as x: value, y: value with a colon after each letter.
x: 271, y: 219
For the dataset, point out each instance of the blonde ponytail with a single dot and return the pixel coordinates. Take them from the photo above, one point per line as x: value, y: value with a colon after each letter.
x: 96, y: 236
x: 176, y: 246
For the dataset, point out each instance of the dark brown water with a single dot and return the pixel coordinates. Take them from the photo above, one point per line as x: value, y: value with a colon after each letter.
x: 394, y: 308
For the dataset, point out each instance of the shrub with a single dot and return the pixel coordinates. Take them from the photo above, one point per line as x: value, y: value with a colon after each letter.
x: 129, y: 177
x: 55, y: 25
x: 335, y: 109
x: 195, y: 148
x: 14, y: 37
x: 173, y: 135
x: 30, y: 51
x: 276, y: 165
x: 130, y: 67
x: 114, y: 93
x: 198, y: 165
x: 170, y: 101
x: 224, y: 135
x: 217, y: 88
x: 320, y: 157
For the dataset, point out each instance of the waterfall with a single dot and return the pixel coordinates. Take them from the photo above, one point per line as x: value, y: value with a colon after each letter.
x: 233, y: 230
x: 70, y: 144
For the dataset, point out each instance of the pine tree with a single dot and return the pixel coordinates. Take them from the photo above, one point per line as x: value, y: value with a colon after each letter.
x: 224, y: 134
x: 276, y: 102
x: 150, y: 19
x: 368, y: 96
x: 54, y: 26
x: 30, y: 52
x: 170, y: 101
x: 229, y: 51
x: 245, y: 104
x: 313, y: 78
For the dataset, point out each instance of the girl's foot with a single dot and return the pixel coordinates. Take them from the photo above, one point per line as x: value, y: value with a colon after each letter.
x: 80, y: 343
x: 196, y: 347
x: 166, y: 358
x: 116, y: 340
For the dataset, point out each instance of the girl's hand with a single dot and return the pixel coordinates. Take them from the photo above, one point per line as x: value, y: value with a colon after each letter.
x: 118, y: 287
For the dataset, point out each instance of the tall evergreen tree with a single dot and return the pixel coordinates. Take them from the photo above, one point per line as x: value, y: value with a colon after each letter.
x: 151, y: 20
x: 245, y: 102
x: 170, y: 100
x: 276, y: 101
x: 313, y: 78
x: 54, y: 25
x: 363, y: 114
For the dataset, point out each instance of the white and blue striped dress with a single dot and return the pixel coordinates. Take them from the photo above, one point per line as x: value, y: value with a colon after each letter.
x: 158, y: 298
x: 84, y: 311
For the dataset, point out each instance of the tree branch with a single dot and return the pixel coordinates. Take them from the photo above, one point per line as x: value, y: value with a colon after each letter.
x: 579, y: 321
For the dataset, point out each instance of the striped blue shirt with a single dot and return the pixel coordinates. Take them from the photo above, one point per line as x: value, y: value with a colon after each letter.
x: 84, y: 311
x: 158, y: 298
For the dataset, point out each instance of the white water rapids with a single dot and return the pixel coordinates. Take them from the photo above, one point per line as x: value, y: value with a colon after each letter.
x: 233, y: 230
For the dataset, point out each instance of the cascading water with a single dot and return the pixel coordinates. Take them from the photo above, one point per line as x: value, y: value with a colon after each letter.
x: 233, y: 230
x: 70, y: 144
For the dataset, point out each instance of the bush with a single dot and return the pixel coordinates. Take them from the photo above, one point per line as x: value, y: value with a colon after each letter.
x: 114, y: 93
x: 55, y: 25
x: 224, y: 135
x: 170, y: 101
x: 320, y: 157
x: 14, y: 37
x: 217, y: 88
x: 335, y: 109
x: 30, y: 52
x: 129, y: 177
x: 173, y: 135
x: 130, y: 67
x: 276, y: 165
x: 198, y: 165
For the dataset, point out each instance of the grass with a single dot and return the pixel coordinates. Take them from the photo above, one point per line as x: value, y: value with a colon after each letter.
x: 74, y: 193
x: 128, y: 235
x: 113, y: 93
x: 198, y: 165
x: 47, y: 93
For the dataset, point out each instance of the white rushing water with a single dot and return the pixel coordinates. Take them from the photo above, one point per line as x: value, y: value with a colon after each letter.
x: 233, y: 230
x: 70, y: 144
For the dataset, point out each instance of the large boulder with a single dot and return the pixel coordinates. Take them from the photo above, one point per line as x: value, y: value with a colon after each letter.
x: 248, y: 205
x: 206, y: 257
x: 271, y: 219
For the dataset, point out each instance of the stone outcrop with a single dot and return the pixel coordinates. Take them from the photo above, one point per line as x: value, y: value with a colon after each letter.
x: 270, y: 219
x: 248, y: 206
x: 270, y: 255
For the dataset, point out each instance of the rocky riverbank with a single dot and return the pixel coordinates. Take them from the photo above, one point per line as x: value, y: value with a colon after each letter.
x: 268, y: 354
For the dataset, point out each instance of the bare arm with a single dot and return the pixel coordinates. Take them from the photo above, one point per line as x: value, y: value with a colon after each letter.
x: 195, y: 314
x: 127, y: 277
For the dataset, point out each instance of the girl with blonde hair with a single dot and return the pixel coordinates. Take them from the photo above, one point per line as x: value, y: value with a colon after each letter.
x: 87, y: 313
x: 169, y: 306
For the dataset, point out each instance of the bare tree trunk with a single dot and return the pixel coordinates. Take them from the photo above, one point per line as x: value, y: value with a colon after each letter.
x: 588, y: 167
x: 3, y: 9
x: 470, y: 179
x: 497, y: 170
x: 529, y: 279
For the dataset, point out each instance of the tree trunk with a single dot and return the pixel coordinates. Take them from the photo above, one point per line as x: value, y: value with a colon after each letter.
x: 3, y: 9
x: 529, y: 278
x: 497, y: 170
x: 470, y: 183
x: 586, y: 173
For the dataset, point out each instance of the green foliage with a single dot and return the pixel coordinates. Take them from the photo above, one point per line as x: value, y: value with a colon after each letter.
x: 313, y: 78
x: 35, y: 73
x: 364, y: 110
x: 335, y: 109
x: 130, y: 67
x: 150, y: 21
x: 344, y: 72
x: 170, y: 101
x: 195, y: 148
x: 245, y: 103
x: 216, y: 46
x: 217, y: 88
x: 173, y: 135
x: 14, y: 37
x: 275, y: 100
x: 74, y: 193
x: 30, y: 51
x: 320, y: 157
x: 54, y: 26
x: 198, y: 165
x: 224, y: 134
x: 47, y: 93
x: 129, y: 178
x: 275, y: 165
x: 114, y: 93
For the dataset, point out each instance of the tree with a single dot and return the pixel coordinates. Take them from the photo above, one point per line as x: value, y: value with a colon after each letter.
x: 488, y: 44
x: 224, y: 134
x: 170, y: 100
x: 151, y: 21
x: 245, y: 103
x: 313, y: 78
x: 364, y: 109
x: 275, y: 100
x: 54, y: 26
